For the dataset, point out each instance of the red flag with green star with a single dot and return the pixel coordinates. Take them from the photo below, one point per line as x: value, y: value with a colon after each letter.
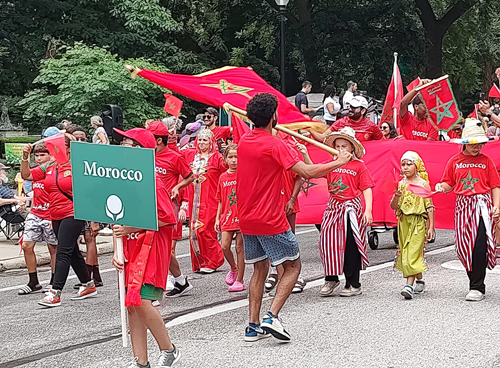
x: 172, y: 105
x: 440, y: 103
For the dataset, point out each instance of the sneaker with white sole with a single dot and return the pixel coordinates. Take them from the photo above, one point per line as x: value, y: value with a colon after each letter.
x: 52, y: 299
x: 272, y: 324
x: 134, y: 364
x: 47, y: 288
x: 407, y: 292
x: 328, y: 288
x: 179, y: 289
x: 419, y: 286
x: 253, y: 334
x: 350, y: 291
x: 168, y: 358
x: 86, y: 291
x: 474, y: 296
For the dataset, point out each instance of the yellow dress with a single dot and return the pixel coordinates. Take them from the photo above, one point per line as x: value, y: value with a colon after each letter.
x: 412, y: 233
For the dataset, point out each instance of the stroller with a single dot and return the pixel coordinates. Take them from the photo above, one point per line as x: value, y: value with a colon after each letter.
x: 380, y: 227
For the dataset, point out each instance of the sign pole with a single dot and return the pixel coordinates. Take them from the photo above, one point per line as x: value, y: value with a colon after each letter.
x: 121, y: 286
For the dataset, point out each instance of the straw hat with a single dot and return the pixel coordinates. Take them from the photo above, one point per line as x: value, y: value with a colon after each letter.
x: 473, y: 133
x: 348, y: 134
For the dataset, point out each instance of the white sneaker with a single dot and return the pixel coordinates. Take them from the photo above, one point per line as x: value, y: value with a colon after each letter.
x: 419, y: 286
x: 328, y: 288
x: 351, y: 291
x: 474, y: 296
x: 170, y: 283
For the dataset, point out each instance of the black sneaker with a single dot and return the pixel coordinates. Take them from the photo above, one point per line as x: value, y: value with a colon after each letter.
x: 179, y: 289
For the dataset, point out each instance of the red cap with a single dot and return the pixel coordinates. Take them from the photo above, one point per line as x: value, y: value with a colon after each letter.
x: 144, y: 137
x: 158, y: 128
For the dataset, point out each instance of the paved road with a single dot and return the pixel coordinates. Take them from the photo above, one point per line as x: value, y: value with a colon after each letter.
x: 377, y: 329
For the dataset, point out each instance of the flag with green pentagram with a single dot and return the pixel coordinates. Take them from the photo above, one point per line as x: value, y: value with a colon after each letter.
x: 441, y: 105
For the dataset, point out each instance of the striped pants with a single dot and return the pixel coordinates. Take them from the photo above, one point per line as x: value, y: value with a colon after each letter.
x: 340, y: 218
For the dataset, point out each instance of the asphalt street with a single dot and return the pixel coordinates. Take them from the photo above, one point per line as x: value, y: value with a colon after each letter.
x: 377, y: 329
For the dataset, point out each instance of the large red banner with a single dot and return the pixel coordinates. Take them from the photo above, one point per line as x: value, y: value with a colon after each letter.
x: 382, y: 159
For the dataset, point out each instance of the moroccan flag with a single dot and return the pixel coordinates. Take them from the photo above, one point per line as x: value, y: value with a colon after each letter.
x: 172, y: 105
x: 233, y: 85
x: 393, y: 97
x: 413, y: 84
x: 239, y: 128
x: 494, y: 91
x: 57, y: 148
x: 440, y: 102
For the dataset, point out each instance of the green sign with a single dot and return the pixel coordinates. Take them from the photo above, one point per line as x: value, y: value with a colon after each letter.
x: 114, y: 184
x: 14, y: 152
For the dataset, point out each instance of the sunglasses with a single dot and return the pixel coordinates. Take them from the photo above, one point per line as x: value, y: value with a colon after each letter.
x: 384, y: 127
x: 81, y: 139
x: 207, y: 117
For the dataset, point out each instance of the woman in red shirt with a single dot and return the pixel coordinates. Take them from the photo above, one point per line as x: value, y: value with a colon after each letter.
x: 207, y: 165
x: 67, y: 229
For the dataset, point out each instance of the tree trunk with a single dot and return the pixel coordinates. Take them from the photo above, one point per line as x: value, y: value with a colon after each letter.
x: 435, y: 29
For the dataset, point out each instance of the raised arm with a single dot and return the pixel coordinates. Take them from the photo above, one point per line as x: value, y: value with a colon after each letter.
x: 25, y: 166
x: 403, y: 108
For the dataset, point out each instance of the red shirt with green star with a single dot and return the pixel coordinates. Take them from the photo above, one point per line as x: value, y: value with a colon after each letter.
x: 226, y: 193
x: 471, y: 175
x: 349, y: 181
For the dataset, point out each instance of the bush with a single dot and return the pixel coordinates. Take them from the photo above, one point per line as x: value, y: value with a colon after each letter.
x: 27, y: 139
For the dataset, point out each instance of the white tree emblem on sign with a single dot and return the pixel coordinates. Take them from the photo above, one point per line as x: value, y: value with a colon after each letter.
x: 114, y: 207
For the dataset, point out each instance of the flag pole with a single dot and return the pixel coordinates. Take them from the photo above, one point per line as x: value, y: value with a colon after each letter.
x: 121, y: 286
x: 394, y: 82
x: 432, y: 82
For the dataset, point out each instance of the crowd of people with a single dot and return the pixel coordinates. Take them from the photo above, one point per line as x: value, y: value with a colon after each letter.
x: 247, y: 193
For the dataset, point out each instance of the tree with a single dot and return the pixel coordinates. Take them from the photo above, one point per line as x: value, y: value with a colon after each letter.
x: 435, y: 29
x: 84, y: 78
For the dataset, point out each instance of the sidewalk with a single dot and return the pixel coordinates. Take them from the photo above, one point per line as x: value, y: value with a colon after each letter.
x: 11, y: 256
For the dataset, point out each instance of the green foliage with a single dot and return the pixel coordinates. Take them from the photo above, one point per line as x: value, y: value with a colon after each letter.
x: 77, y: 84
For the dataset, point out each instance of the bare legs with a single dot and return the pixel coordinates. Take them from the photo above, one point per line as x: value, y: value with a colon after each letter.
x: 140, y: 320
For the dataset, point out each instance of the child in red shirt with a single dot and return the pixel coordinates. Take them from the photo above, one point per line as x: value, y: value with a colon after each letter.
x: 474, y: 179
x: 343, y: 241
x: 227, y: 220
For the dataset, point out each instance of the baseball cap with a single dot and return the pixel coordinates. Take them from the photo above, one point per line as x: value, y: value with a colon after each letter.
x: 51, y: 131
x: 358, y: 101
x: 158, y: 128
x: 212, y: 110
x: 143, y: 136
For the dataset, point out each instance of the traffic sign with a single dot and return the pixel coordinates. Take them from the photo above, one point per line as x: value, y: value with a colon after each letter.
x: 114, y: 184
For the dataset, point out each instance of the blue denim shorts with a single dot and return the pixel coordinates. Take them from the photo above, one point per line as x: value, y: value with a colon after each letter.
x: 278, y: 248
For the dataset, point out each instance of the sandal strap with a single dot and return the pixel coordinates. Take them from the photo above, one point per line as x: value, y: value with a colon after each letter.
x: 26, y: 289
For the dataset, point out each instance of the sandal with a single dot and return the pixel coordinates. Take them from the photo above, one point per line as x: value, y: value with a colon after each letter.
x: 271, y: 282
x: 26, y: 289
x: 299, y: 287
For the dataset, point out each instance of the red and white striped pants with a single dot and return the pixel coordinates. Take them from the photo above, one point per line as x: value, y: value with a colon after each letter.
x: 332, y: 240
x: 468, y: 211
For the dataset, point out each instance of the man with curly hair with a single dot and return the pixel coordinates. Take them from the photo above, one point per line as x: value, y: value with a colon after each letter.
x: 267, y: 237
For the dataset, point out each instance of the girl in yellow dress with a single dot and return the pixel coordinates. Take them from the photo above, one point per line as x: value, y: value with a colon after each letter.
x: 415, y: 223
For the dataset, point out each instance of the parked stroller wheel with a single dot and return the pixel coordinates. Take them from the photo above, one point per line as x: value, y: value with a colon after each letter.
x: 373, y: 240
x: 395, y: 236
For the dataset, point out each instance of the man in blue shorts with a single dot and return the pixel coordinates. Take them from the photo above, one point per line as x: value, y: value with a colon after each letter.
x: 266, y: 233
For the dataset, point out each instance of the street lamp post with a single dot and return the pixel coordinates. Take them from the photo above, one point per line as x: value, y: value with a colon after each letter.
x: 282, y: 7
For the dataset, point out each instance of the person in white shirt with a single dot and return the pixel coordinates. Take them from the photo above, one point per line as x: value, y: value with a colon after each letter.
x: 349, y: 94
x: 331, y: 105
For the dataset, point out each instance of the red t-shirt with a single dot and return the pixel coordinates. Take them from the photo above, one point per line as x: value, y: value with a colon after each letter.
x: 169, y: 166
x: 349, y: 181
x: 60, y: 205
x: 471, y: 175
x: 417, y: 130
x: 159, y: 256
x: 40, y: 206
x: 221, y: 132
x: 365, y: 129
x: 261, y: 161
x: 289, y: 176
x: 226, y: 193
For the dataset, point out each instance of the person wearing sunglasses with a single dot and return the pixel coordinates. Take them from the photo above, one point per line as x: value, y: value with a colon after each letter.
x: 210, y: 118
x: 388, y: 130
x: 416, y: 127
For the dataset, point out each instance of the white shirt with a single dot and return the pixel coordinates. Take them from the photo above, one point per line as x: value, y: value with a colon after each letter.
x: 348, y: 95
x: 336, y: 108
